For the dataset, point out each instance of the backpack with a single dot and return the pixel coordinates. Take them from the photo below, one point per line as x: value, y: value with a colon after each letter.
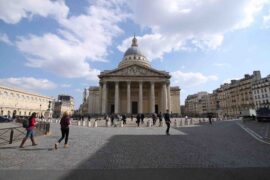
x: 25, y: 123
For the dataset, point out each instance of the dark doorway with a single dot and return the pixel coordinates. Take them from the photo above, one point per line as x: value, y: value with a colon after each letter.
x: 14, y: 114
x: 156, y: 109
x: 134, y: 107
x: 112, y: 108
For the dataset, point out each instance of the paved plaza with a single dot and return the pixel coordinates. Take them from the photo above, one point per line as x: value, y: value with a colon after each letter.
x: 191, y: 151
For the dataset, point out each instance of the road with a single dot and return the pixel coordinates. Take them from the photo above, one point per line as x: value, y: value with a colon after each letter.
x: 219, y: 151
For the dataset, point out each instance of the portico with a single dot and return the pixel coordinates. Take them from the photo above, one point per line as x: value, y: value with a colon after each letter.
x: 135, y: 87
x: 134, y: 96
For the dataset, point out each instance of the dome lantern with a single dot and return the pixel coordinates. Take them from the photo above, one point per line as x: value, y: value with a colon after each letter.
x: 134, y: 55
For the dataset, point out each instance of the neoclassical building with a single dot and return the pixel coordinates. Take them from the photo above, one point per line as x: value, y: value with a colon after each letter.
x: 133, y: 87
x: 15, y: 102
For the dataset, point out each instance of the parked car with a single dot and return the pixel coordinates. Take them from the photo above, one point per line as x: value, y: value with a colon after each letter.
x: 4, y: 119
x: 263, y: 114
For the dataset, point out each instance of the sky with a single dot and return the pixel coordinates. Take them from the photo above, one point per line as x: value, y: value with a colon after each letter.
x: 59, y: 47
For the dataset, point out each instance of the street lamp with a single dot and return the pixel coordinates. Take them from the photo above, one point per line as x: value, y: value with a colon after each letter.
x: 40, y: 110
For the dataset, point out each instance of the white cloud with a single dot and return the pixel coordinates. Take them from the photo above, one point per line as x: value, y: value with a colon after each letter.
x: 230, y: 79
x: 222, y: 65
x: 57, y: 55
x: 185, y: 24
x: 153, y: 45
x: 14, y: 10
x: 80, y: 39
x: 266, y: 20
x: 190, y: 79
x: 29, y: 83
x: 65, y: 85
x: 79, y: 90
x: 4, y: 38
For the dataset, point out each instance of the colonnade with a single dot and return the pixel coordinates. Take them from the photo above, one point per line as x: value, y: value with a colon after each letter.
x: 165, y: 99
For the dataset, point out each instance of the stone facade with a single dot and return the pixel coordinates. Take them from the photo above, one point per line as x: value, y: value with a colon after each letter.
x: 65, y: 103
x: 23, y: 103
x: 230, y: 99
x: 133, y: 87
x: 197, y: 104
x: 261, y: 92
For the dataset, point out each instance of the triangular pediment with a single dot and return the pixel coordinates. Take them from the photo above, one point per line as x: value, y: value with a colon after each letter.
x: 135, y: 70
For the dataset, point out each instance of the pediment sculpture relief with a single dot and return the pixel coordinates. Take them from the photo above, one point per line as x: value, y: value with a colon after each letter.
x: 135, y: 71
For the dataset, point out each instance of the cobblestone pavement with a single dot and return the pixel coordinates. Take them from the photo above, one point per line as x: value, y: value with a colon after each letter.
x: 223, y: 145
x: 262, y: 129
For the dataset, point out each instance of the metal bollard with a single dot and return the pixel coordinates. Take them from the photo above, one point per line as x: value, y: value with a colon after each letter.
x: 95, y: 124
x: 11, y: 136
x: 121, y: 124
x: 89, y: 124
x: 78, y: 123
x: 83, y: 123
x: 175, y: 123
x: 149, y: 123
x: 191, y: 122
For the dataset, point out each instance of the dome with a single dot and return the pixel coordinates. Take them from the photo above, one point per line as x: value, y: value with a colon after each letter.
x: 134, y: 55
x: 133, y: 50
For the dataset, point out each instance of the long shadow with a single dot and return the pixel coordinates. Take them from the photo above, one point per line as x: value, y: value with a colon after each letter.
x: 163, y: 157
x: 36, y: 149
x: 13, y: 147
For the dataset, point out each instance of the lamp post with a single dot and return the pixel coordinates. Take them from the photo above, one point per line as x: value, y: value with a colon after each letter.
x: 40, y: 110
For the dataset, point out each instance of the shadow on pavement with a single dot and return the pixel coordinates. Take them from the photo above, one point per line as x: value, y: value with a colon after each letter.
x: 157, y: 157
x: 36, y: 149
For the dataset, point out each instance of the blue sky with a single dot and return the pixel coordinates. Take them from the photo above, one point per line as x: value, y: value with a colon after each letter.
x: 56, y: 47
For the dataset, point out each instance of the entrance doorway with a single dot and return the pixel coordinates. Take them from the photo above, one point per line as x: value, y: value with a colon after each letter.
x: 134, y: 107
x: 112, y: 108
x: 14, y: 114
x: 156, y: 109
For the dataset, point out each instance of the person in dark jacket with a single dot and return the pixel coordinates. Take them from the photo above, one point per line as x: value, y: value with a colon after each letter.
x: 168, y: 121
x: 160, y: 118
x: 210, y: 118
x: 138, y: 117
x: 154, y: 117
x: 124, y: 118
x: 112, y: 118
x: 65, y: 122
x: 142, y: 118
x: 30, y: 130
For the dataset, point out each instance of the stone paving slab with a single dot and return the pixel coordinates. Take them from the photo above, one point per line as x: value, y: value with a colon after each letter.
x: 260, y: 128
x: 221, y: 145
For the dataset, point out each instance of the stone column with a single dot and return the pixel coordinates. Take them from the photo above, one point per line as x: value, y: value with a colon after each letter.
x: 152, y: 97
x: 116, y: 98
x: 169, y: 96
x: 140, y: 97
x: 104, y: 98
x: 128, y: 97
x: 165, y: 103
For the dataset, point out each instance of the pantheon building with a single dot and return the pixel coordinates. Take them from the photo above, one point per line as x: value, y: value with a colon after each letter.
x: 133, y: 87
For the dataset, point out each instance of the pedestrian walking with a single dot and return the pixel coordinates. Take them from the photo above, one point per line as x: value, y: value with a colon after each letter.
x: 168, y: 121
x: 210, y: 118
x: 154, y: 118
x: 124, y: 119
x: 31, y: 123
x: 142, y: 118
x: 138, y: 117
x: 160, y: 119
x: 112, y: 118
x: 64, y: 122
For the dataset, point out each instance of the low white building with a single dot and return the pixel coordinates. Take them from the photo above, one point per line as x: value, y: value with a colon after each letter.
x: 16, y: 102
